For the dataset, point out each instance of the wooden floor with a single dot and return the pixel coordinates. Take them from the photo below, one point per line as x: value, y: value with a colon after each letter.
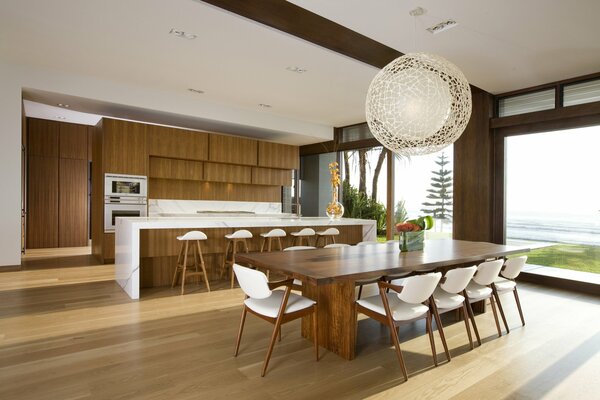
x: 67, y: 331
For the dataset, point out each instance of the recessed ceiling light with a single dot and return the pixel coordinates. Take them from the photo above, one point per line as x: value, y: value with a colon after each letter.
x: 442, y: 26
x: 297, y: 70
x: 60, y: 117
x: 63, y: 105
x: 196, y: 91
x: 265, y: 105
x: 182, y: 34
x: 417, y: 12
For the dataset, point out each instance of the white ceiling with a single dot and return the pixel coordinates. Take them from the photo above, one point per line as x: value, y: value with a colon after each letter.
x: 500, y: 46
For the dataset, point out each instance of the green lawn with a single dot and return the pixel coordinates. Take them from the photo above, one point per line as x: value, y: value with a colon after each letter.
x: 568, y: 256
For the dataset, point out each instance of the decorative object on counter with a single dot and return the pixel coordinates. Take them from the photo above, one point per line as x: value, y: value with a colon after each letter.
x: 335, y: 209
x: 299, y: 236
x: 233, y: 239
x: 418, y: 104
x: 327, y: 234
x: 182, y: 259
x: 412, y: 233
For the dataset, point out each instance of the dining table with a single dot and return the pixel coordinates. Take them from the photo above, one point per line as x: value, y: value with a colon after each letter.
x: 329, y: 277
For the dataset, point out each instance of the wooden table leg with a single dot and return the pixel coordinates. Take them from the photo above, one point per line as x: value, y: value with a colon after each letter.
x: 337, y: 320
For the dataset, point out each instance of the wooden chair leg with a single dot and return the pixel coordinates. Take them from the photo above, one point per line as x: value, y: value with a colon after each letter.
x: 235, y: 245
x: 360, y: 291
x: 177, y: 266
x: 185, y: 256
x: 203, y: 266
x: 493, y: 303
x: 271, y: 345
x: 315, y: 331
x: 472, y: 316
x: 519, y: 305
x: 280, y: 245
x: 500, y: 308
x: 431, y: 340
x: 262, y: 245
x: 464, y: 312
x: 398, y: 350
x: 239, y: 338
x: 440, y: 328
x: 224, y: 260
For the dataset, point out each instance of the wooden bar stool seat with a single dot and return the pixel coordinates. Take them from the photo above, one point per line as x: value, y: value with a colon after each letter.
x: 327, y: 234
x: 299, y: 236
x: 233, y: 239
x: 182, y: 260
x: 269, y: 236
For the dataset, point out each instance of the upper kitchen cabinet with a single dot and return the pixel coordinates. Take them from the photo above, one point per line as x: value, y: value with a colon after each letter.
x: 275, y: 155
x: 177, y: 143
x: 73, y: 141
x: 124, y: 147
x: 233, y: 150
x: 43, y: 137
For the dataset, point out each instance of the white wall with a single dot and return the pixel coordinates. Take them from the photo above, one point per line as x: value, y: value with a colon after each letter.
x: 14, y: 77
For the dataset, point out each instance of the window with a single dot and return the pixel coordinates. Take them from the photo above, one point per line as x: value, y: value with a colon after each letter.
x: 581, y: 93
x: 526, y: 103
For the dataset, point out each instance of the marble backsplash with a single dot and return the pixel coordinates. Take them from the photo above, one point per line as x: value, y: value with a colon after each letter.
x: 160, y: 207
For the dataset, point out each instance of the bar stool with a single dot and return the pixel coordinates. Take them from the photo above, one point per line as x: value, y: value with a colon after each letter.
x: 182, y: 259
x: 269, y: 236
x: 233, y: 239
x: 329, y: 233
x: 301, y: 235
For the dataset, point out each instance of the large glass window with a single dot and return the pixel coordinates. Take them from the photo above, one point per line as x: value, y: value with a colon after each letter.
x: 423, y: 186
x: 553, y: 197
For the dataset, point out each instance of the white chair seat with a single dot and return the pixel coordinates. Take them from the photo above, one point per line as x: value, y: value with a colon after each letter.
x: 367, y: 243
x: 274, y: 233
x: 336, y: 245
x: 329, y: 232
x: 304, y: 232
x: 398, y: 281
x: 504, y: 285
x: 241, y: 234
x: 476, y: 291
x: 293, y: 248
x: 193, y: 235
x: 401, y: 311
x: 445, y: 300
x: 270, y: 306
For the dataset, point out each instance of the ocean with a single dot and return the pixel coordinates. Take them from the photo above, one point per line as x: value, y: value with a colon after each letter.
x: 572, y: 229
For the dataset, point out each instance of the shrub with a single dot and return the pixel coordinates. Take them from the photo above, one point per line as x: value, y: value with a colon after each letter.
x: 359, y: 205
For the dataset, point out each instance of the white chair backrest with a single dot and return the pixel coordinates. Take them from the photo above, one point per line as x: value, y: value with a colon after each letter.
x: 253, y: 282
x: 457, y: 279
x: 299, y: 248
x: 366, y: 243
x: 241, y: 234
x: 305, y: 232
x: 419, y: 288
x: 330, y: 231
x: 513, y: 267
x: 487, y: 271
x: 334, y: 245
x: 193, y: 235
x: 275, y: 233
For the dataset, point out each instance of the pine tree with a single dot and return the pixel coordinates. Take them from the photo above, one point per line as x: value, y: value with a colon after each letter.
x: 441, y: 182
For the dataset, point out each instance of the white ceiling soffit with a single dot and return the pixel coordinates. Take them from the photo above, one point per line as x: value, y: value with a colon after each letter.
x: 499, y: 45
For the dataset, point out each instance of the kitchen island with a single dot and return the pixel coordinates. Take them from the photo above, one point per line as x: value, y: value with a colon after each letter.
x: 146, y: 247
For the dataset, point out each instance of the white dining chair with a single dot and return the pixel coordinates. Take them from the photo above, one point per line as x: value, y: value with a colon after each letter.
x: 274, y: 306
x: 327, y: 234
x: 268, y: 237
x: 480, y: 289
x: 512, y: 268
x: 404, y: 304
x: 305, y: 233
x: 447, y: 295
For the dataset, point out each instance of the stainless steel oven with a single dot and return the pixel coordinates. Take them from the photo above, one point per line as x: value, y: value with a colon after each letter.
x: 118, y: 209
x: 124, y: 196
x: 117, y: 185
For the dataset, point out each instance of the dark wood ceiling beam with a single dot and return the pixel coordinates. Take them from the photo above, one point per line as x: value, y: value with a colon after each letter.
x: 297, y: 21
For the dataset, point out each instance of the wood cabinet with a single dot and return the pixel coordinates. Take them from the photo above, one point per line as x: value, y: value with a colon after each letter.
x: 270, y: 176
x: 227, y: 173
x: 73, y: 141
x: 124, y: 147
x: 276, y: 155
x: 42, y: 137
x: 233, y: 150
x: 169, y: 168
x: 72, y: 204
x: 177, y: 143
x: 42, y: 202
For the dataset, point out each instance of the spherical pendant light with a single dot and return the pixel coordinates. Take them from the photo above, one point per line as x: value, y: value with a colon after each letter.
x: 418, y: 104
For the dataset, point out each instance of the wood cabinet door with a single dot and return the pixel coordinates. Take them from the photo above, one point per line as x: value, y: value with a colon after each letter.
x: 72, y: 203
x: 73, y: 141
x: 42, y: 202
x: 124, y: 147
x: 42, y: 139
x: 177, y: 143
x: 276, y: 155
x: 232, y: 150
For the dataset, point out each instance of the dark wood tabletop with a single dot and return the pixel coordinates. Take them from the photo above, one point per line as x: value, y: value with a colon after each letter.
x: 323, y: 266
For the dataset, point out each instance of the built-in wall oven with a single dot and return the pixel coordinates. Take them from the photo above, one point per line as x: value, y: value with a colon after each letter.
x: 124, y: 196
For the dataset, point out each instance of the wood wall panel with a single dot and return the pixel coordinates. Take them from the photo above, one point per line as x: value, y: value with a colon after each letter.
x: 72, y: 202
x: 97, y: 193
x: 90, y: 136
x: 108, y: 250
x: 177, y: 143
x: 227, y: 173
x: 233, y: 150
x: 42, y: 202
x: 43, y: 137
x: 192, y: 190
x: 270, y: 176
x: 170, y: 168
x: 473, y: 174
x: 73, y: 141
x: 276, y: 155
x: 124, y: 147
